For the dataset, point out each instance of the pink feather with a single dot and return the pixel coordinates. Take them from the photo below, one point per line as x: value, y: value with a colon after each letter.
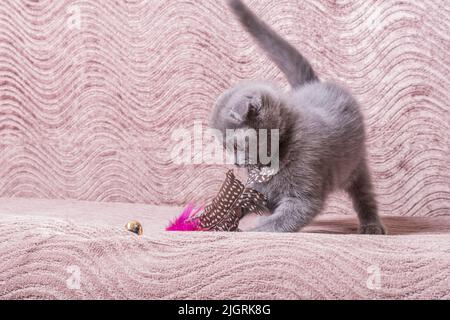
x: 186, y: 220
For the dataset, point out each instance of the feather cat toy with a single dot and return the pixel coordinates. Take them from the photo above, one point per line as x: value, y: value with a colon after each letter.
x: 233, y: 201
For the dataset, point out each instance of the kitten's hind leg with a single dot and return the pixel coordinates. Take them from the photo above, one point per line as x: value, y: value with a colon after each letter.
x: 361, y: 192
x: 290, y: 215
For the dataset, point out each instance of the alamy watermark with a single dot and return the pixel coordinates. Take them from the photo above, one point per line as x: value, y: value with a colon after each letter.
x: 374, y: 277
x: 74, y: 18
x: 73, y: 282
x: 230, y: 146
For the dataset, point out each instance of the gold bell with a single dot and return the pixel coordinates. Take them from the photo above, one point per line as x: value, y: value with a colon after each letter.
x: 135, y: 227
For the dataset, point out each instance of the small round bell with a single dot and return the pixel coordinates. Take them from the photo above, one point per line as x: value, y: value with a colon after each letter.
x: 135, y: 227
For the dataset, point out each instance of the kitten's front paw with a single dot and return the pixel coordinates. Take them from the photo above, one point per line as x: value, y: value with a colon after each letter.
x: 262, y: 228
x: 270, y: 225
x: 372, y: 229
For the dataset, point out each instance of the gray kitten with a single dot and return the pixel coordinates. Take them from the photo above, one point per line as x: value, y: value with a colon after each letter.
x: 322, y: 136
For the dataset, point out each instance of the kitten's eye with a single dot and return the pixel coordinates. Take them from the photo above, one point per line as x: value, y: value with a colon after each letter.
x: 253, y: 110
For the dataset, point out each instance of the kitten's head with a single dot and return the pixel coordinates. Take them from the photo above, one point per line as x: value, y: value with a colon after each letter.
x: 247, y: 108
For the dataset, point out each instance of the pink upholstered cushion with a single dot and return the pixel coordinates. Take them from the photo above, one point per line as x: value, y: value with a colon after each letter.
x: 80, y: 250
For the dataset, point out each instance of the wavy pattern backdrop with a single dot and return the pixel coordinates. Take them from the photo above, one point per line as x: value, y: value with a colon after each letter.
x: 92, y: 90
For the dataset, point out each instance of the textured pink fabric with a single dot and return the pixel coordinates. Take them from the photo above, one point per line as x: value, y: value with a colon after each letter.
x: 88, y: 113
x: 42, y: 242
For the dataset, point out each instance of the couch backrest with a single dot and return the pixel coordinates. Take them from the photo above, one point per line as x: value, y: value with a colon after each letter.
x: 91, y: 92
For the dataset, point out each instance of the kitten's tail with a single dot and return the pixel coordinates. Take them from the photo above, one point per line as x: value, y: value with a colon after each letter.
x: 297, y: 69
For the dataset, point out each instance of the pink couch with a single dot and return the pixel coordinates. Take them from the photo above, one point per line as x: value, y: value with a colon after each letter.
x: 90, y: 92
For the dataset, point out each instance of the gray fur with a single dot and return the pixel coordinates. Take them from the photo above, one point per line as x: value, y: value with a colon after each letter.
x: 322, y: 136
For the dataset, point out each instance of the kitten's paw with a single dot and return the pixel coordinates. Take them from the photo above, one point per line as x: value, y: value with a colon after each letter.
x: 265, y: 224
x: 375, y: 228
x: 270, y: 226
x: 262, y: 229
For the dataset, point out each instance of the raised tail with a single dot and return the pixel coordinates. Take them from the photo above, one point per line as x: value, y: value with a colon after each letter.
x: 296, y: 68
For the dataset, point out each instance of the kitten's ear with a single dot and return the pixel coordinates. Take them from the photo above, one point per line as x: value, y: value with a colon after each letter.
x: 246, y: 110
